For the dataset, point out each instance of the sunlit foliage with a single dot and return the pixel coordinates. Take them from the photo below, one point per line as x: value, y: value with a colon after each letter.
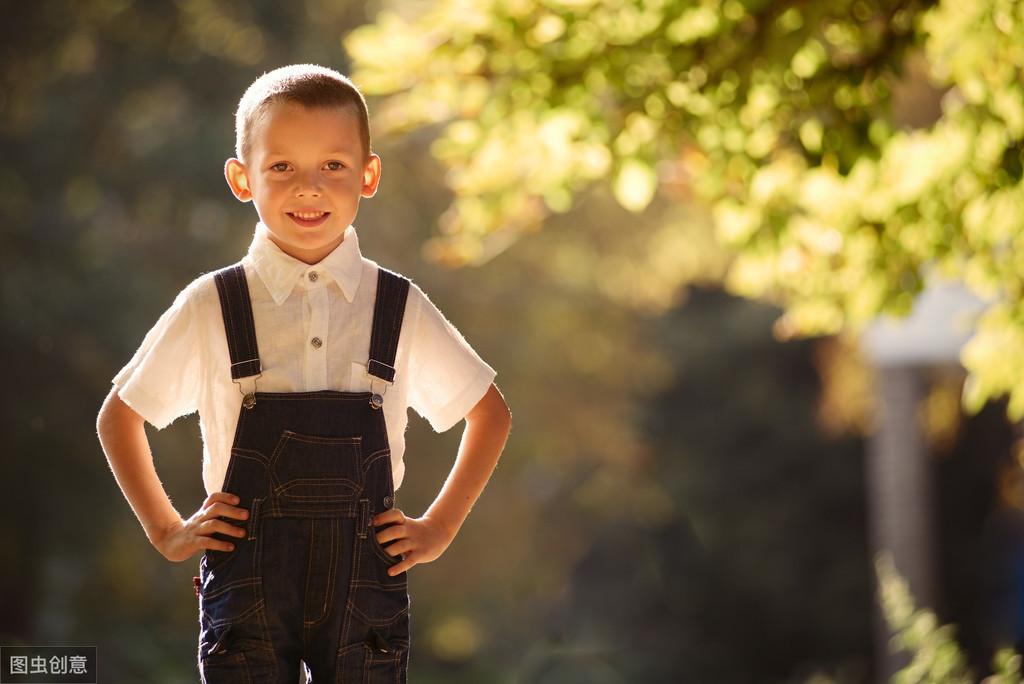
x: 935, y: 655
x: 778, y: 115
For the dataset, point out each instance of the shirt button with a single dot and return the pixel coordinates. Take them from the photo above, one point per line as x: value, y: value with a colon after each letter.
x: 316, y: 342
x: 313, y: 276
x: 388, y: 501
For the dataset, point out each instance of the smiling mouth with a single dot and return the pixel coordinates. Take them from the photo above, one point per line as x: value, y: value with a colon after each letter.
x: 309, y: 219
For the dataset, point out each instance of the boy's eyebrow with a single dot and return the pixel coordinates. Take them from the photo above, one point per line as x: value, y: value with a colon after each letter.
x: 337, y: 150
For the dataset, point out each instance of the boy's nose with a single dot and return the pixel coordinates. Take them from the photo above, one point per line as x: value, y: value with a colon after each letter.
x: 307, y: 184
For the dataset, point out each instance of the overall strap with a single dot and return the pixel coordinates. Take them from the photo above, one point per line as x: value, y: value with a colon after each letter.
x: 388, y: 310
x: 236, y: 308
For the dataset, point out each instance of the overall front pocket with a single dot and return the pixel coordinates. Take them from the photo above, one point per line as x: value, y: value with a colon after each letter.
x: 381, y: 658
x: 231, y: 668
x: 375, y: 597
x: 308, y: 468
x: 230, y: 605
x: 382, y: 550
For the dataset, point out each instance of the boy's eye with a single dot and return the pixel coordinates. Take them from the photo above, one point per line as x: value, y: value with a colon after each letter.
x: 333, y: 165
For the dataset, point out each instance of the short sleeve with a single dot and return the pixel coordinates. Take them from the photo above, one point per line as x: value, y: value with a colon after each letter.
x: 447, y: 377
x: 161, y: 382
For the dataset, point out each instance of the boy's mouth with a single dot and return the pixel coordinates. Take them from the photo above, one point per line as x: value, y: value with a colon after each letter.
x: 309, y: 219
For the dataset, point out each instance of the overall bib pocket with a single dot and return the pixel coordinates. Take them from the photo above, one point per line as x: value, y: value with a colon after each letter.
x: 309, y: 468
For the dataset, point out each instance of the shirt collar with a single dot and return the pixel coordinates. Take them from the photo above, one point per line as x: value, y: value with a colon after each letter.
x: 280, y: 271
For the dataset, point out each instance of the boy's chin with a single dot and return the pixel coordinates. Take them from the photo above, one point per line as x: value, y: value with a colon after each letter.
x: 294, y: 239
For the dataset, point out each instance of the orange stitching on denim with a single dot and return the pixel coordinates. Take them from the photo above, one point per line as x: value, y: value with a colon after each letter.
x: 332, y: 395
x: 376, y: 621
x: 257, y: 555
x: 315, y: 439
x: 309, y: 564
x: 247, y: 582
x: 252, y: 455
x: 326, y: 481
x: 234, y: 618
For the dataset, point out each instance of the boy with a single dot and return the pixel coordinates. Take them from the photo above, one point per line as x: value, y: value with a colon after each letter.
x: 302, y: 360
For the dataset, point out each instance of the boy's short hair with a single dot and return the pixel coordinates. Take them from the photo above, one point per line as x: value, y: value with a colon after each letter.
x: 310, y: 85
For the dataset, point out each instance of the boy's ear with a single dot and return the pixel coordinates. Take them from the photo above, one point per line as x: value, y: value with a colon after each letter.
x: 238, y: 179
x: 371, y: 175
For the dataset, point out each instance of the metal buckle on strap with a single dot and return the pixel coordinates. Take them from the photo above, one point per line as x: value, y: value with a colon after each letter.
x: 377, y: 397
x: 248, y: 398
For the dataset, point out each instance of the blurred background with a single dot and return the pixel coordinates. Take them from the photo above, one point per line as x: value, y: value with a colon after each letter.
x: 749, y: 273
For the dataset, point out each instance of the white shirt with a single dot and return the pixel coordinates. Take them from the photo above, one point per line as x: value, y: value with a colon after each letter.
x: 183, y: 363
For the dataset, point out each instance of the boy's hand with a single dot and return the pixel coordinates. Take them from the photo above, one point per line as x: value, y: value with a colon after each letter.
x: 420, y: 539
x: 181, y: 540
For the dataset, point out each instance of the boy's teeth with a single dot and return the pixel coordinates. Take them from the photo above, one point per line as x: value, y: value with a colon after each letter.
x: 308, y: 216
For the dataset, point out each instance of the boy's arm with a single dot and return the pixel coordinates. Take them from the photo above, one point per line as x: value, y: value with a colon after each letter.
x: 122, y: 434
x: 487, y: 428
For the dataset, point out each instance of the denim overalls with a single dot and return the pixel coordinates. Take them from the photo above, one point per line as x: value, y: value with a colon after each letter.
x: 309, y: 581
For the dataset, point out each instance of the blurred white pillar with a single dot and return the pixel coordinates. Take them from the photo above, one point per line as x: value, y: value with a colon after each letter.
x: 899, y: 485
x: 899, y: 475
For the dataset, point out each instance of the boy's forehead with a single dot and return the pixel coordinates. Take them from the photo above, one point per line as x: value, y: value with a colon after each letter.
x: 286, y: 125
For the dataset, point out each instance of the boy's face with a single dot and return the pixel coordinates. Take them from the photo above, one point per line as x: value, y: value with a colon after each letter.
x: 305, y: 161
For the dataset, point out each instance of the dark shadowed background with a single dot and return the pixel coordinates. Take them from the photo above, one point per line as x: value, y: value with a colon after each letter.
x: 682, y: 497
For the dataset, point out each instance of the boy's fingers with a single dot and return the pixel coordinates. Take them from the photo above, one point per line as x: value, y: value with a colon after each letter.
x: 215, y: 544
x: 220, y: 508
x: 221, y: 496
x: 404, y: 546
x: 390, y: 515
x: 400, y: 567
x: 208, y: 527
x: 399, y: 533
x: 227, y: 528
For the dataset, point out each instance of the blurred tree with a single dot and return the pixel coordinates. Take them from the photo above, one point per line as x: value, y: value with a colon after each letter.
x: 779, y: 115
x: 935, y: 657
